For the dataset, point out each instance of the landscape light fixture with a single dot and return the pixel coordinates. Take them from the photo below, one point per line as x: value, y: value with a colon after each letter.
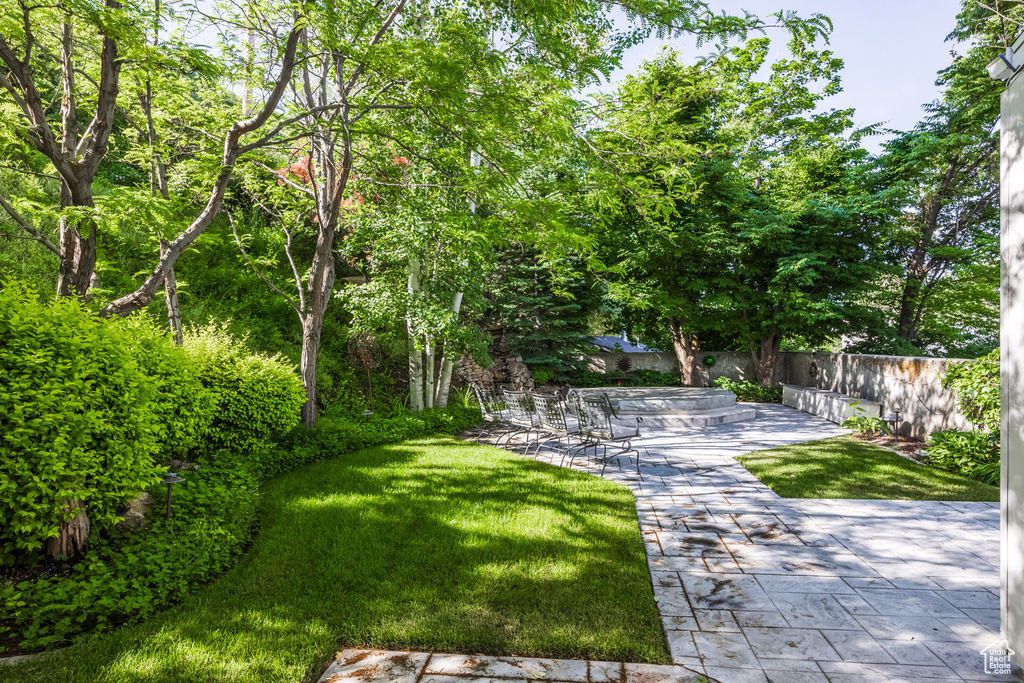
x: 171, y: 478
x: 894, y: 420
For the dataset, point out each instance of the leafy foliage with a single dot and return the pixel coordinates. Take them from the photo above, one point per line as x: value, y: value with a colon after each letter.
x: 749, y: 391
x: 125, y: 579
x: 978, y: 390
x: 866, y: 424
x: 974, y: 455
x: 76, y: 419
x: 259, y: 396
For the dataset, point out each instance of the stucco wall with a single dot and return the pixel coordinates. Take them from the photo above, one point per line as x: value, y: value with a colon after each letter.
x: 912, y: 384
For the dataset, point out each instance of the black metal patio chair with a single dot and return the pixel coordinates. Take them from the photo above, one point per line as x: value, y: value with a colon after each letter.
x: 553, y: 423
x: 492, y: 409
x: 521, y: 417
x: 601, y: 426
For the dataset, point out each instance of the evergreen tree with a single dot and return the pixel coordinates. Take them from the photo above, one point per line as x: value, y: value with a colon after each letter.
x: 545, y: 319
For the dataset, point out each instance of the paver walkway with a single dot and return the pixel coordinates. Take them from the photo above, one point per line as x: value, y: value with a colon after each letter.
x: 754, y: 587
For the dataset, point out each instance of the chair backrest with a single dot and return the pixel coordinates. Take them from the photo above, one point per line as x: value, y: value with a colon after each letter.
x: 595, y: 416
x: 550, y: 412
x: 520, y: 408
x: 490, y: 403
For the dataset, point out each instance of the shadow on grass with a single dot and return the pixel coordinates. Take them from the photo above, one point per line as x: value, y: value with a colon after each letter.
x: 434, y: 544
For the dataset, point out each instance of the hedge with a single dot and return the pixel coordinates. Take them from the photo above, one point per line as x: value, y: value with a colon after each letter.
x: 125, y: 580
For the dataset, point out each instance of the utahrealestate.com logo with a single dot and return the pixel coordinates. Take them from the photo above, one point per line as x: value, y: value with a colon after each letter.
x: 997, y: 658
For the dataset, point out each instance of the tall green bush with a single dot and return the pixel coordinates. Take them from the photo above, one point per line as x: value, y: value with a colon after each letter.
x: 183, y: 407
x: 75, y: 420
x: 258, y: 396
x: 977, y: 386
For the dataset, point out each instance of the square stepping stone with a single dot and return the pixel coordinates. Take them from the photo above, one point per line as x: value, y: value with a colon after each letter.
x: 520, y: 668
x: 375, y: 666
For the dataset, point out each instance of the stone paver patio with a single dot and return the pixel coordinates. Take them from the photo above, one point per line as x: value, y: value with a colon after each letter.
x: 754, y: 587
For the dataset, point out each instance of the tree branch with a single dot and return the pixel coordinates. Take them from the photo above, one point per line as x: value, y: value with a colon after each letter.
x: 27, y: 227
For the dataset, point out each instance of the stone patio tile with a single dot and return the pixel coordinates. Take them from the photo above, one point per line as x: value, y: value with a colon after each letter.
x: 725, y: 565
x: 963, y: 658
x: 714, y: 528
x: 775, y: 676
x: 654, y: 673
x: 674, y: 607
x: 790, y: 643
x: 988, y: 618
x: 910, y: 652
x: 726, y: 650
x: 726, y: 591
x: 784, y: 559
x: 369, y: 666
x: 675, y: 563
x: 854, y: 604
x: 716, y: 620
x: 790, y: 665
x: 967, y: 583
x: 606, y: 672
x: 867, y: 582
x: 691, y: 544
x: 896, y: 671
x: 679, y: 624
x: 894, y: 602
x: 523, y: 668
x: 783, y: 583
x: 737, y: 675
x: 972, y: 599
x: 666, y: 579
x: 970, y: 630
x: 906, y: 628
x: 814, y: 610
x: 858, y: 646
x: 763, y: 619
x: 693, y: 663
x: 680, y: 644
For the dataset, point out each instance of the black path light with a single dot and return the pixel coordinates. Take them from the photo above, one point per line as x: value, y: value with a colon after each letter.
x: 171, y: 479
x: 894, y: 420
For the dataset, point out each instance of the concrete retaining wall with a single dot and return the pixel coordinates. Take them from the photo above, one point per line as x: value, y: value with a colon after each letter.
x: 911, y: 384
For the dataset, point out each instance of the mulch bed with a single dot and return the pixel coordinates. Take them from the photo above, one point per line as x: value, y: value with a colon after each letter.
x: 903, y: 445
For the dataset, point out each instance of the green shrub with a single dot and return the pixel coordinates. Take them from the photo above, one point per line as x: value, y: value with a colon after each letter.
x: 542, y: 374
x: 122, y: 580
x: 655, y: 378
x: 588, y: 379
x: 866, y: 424
x: 184, y: 408
x: 972, y: 454
x: 130, y: 578
x: 75, y: 420
x: 977, y: 386
x: 258, y: 396
x: 749, y: 391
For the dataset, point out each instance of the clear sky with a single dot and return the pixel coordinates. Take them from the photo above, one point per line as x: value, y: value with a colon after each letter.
x: 892, y: 50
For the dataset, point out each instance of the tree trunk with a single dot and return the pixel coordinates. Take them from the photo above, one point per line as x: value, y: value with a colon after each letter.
x: 428, y: 386
x: 444, y: 383
x: 686, y: 347
x: 320, y: 285
x: 415, y: 357
x: 171, y: 288
x: 73, y: 534
x: 766, y: 359
x: 77, y: 253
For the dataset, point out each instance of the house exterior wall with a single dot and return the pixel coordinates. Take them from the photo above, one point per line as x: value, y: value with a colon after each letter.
x: 1012, y: 360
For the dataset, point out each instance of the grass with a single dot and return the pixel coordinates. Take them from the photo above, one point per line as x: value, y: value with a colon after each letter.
x: 844, y: 467
x: 433, y: 544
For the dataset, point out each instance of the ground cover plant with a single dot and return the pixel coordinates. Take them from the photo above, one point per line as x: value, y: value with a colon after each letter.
x: 843, y: 467
x: 428, y: 544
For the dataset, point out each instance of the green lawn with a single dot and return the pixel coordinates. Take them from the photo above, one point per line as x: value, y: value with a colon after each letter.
x: 844, y: 467
x: 432, y: 544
